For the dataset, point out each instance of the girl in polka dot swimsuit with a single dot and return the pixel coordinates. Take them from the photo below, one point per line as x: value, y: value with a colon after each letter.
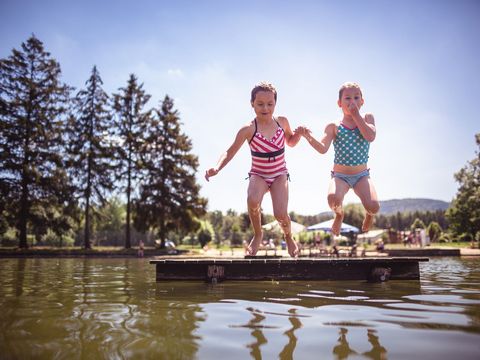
x: 351, y: 141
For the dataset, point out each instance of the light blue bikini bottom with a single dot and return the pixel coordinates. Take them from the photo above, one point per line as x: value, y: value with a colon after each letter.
x: 351, y: 180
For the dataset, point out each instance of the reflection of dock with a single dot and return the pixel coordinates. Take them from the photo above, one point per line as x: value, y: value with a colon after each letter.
x: 215, y: 269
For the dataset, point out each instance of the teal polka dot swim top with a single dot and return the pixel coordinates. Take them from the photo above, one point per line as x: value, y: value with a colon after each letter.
x: 350, y: 146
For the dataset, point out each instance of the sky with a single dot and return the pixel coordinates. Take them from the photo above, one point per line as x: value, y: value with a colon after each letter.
x: 416, y: 61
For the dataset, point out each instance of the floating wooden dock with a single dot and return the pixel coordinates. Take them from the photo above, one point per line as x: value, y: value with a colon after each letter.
x: 220, y: 269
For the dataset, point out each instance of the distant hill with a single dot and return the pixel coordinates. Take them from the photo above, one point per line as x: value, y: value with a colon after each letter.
x: 388, y: 207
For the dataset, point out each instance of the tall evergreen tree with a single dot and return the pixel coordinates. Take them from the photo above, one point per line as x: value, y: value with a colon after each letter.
x: 132, y: 123
x: 464, y: 211
x: 91, y: 148
x: 33, y: 109
x: 169, y: 195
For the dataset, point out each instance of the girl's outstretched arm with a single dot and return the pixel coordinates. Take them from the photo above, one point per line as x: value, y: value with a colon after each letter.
x: 325, y: 141
x: 228, y: 155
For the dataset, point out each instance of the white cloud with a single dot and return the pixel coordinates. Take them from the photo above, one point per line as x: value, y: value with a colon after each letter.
x: 178, y: 73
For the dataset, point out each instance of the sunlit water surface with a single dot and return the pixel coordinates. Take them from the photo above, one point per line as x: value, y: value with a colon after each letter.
x: 114, y: 309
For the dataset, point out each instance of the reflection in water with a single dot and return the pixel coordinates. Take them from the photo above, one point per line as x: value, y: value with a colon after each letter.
x: 343, y: 350
x: 20, y: 276
x: 377, y: 351
x: 114, y: 308
x: 255, y: 324
x: 287, y: 352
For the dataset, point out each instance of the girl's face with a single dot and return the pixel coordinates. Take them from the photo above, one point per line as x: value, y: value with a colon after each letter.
x: 264, y: 105
x: 350, y: 96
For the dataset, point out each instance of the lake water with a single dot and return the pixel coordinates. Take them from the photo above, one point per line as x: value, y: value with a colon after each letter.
x: 114, y: 309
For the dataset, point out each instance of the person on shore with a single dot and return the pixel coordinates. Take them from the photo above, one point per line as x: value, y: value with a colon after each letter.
x: 351, y: 139
x: 266, y: 136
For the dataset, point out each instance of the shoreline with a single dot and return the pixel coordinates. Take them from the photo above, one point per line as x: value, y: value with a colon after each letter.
x: 152, y: 253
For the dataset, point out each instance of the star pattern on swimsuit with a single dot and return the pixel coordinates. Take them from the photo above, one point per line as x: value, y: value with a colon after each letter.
x: 352, y: 148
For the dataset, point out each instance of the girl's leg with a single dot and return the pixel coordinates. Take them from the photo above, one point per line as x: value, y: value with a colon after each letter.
x: 257, y: 187
x: 279, y: 193
x: 366, y: 192
x: 336, y: 192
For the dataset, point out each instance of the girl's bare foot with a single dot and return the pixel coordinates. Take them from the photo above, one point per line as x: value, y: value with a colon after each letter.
x: 367, y: 222
x: 337, y: 224
x: 292, y: 246
x: 252, y: 248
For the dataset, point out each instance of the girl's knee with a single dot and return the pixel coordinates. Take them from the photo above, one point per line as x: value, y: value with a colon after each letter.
x: 253, y: 210
x: 281, y: 217
x: 334, y: 202
x: 253, y: 202
x: 372, y: 207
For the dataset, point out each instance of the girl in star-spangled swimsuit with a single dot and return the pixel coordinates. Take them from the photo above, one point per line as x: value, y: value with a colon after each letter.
x: 267, y: 137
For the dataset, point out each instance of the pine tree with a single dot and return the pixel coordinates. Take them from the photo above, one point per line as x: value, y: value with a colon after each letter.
x: 33, y: 109
x: 169, y: 195
x: 464, y: 211
x: 132, y: 122
x: 91, y: 149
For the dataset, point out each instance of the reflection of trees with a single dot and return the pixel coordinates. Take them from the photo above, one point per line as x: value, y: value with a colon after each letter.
x: 287, y: 352
x: 13, y: 291
x: 116, y: 316
x: 20, y: 274
x: 92, y: 308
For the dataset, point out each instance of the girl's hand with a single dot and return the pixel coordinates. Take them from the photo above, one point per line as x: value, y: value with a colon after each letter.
x: 210, y: 172
x: 302, y: 130
x: 353, y: 109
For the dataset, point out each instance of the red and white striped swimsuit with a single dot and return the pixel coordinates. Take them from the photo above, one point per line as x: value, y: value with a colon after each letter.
x: 268, y: 156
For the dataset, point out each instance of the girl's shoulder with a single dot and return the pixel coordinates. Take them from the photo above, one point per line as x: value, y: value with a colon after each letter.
x: 282, y: 120
x: 248, y: 130
x: 332, y: 127
x: 331, y: 130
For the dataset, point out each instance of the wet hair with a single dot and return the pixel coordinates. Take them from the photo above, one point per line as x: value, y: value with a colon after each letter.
x: 263, y: 86
x: 348, y: 85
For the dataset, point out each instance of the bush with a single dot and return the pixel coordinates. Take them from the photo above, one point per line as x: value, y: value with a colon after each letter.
x: 434, y: 231
x: 9, y: 238
x: 444, y: 238
x: 327, y: 238
x: 52, y: 239
x: 465, y: 237
x: 305, y: 237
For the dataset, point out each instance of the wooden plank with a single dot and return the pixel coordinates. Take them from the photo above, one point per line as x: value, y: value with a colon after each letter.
x: 215, y: 269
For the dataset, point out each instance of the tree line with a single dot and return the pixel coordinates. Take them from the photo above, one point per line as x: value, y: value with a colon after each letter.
x: 63, y: 153
x: 77, y: 163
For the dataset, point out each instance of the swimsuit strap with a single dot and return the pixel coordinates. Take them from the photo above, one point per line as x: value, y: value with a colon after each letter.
x: 280, y: 126
x: 256, y: 129
x: 255, y: 120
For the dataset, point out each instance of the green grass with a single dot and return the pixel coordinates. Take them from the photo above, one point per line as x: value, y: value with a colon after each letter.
x: 456, y: 245
x: 79, y: 251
